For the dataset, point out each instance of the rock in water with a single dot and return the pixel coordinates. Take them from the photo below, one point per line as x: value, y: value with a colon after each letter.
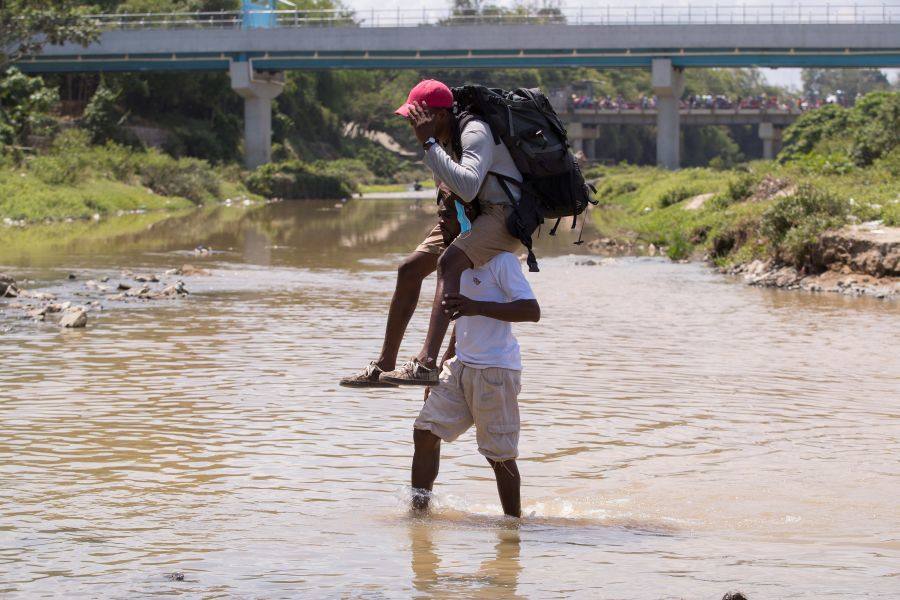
x: 74, y: 317
x: 176, y: 576
x: 171, y: 291
x: 190, y: 270
x: 8, y: 287
x: 141, y: 292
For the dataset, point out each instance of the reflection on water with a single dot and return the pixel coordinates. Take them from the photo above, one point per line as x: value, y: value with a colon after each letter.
x: 496, y: 576
x: 682, y: 435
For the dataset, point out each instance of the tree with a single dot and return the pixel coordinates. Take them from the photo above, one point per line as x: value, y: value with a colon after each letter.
x: 847, y: 83
x: 24, y: 106
x: 26, y: 26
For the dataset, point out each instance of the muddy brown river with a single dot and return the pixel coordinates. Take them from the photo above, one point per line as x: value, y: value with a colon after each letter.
x: 683, y: 435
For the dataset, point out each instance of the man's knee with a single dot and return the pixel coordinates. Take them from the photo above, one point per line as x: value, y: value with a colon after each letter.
x: 416, y: 267
x: 507, y: 466
x: 425, y: 440
x: 453, y: 262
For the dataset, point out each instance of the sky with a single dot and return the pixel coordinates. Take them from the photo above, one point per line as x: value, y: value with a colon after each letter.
x: 783, y: 77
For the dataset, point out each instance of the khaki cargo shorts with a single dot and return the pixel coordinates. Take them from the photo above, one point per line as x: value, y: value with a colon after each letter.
x: 433, y: 243
x: 487, y: 398
x: 489, y: 235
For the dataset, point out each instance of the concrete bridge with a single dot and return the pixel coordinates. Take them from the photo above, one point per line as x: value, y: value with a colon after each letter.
x: 583, y: 124
x: 256, y: 47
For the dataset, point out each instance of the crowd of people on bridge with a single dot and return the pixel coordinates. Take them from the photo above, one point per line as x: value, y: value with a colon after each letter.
x: 707, y: 102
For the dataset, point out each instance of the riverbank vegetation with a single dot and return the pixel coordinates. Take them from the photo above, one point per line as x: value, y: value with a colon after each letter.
x: 838, y: 166
x: 73, y: 178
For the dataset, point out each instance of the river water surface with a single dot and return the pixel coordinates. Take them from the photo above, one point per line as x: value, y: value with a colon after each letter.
x: 683, y: 435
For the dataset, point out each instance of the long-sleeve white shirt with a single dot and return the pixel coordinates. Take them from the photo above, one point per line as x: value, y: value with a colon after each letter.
x: 469, y: 177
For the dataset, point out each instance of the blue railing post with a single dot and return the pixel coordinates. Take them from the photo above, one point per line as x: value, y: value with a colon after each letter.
x: 258, y: 14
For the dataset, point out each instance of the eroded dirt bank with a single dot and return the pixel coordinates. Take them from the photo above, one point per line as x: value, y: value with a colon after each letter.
x: 857, y: 260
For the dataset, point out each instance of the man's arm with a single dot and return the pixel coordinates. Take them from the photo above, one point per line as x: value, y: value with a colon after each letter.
x: 517, y: 311
x: 465, y: 177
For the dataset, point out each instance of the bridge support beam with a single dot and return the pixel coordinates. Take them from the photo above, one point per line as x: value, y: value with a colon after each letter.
x: 576, y: 138
x: 258, y: 90
x: 771, y: 139
x: 668, y: 83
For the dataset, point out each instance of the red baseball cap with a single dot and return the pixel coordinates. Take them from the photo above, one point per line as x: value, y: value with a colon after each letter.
x: 429, y: 91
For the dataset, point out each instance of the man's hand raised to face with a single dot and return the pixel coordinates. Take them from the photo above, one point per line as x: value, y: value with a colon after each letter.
x: 422, y: 119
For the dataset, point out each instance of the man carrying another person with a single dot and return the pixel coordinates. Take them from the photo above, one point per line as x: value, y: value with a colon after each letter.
x: 429, y: 108
x: 480, y: 380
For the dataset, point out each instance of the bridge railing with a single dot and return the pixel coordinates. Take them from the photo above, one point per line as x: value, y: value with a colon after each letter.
x: 645, y: 14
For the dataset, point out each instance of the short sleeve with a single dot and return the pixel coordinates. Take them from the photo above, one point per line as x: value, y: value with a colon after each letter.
x: 511, y: 279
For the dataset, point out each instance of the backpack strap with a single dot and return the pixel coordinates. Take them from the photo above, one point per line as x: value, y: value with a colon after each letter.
x: 524, y: 237
x: 556, y: 226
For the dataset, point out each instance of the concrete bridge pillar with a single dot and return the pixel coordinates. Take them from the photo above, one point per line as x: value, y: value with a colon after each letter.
x: 576, y: 135
x: 258, y: 90
x: 668, y: 83
x: 771, y: 139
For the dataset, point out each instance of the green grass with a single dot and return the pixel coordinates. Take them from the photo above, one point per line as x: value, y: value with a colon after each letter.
x: 25, y: 197
x: 76, y: 180
x: 741, y: 221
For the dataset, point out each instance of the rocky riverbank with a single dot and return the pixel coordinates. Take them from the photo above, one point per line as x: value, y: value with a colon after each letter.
x: 861, y: 260
x: 72, y: 307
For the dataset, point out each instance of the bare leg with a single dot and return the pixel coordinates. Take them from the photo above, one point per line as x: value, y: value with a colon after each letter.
x: 425, y: 465
x: 414, y: 268
x: 451, y: 264
x: 508, y: 485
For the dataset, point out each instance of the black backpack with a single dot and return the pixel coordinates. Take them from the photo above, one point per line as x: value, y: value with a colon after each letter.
x: 553, y: 186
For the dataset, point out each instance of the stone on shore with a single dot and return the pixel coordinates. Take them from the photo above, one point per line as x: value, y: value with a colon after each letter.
x: 190, y: 270
x: 138, y: 292
x: 41, y: 296
x: 170, y: 291
x: 73, y: 317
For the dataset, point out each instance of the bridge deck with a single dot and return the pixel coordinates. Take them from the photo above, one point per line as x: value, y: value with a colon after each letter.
x: 461, y: 46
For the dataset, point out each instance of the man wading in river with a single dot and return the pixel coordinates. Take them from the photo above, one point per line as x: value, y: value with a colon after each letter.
x: 480, y: 380
x: 429, y: 108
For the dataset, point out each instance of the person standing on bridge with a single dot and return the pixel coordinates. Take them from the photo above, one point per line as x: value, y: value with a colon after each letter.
x: 429, y: 108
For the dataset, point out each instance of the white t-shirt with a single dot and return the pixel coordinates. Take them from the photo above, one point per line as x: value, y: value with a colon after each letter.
x: 482, y: 342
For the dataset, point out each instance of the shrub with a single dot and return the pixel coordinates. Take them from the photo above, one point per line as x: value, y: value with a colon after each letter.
x: 67, y: 161
x: 102, y: 116
x: 812, y: 127
x: 189, y: 178
x: 835, y: 163
x: 793, y: 223
x: 297, y: 180
x: 879, y: 132
x: 351, y: 169
x: 379, y: 160
x: 891, y: 214
x: 739, y: 189
x: 678, y: 247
